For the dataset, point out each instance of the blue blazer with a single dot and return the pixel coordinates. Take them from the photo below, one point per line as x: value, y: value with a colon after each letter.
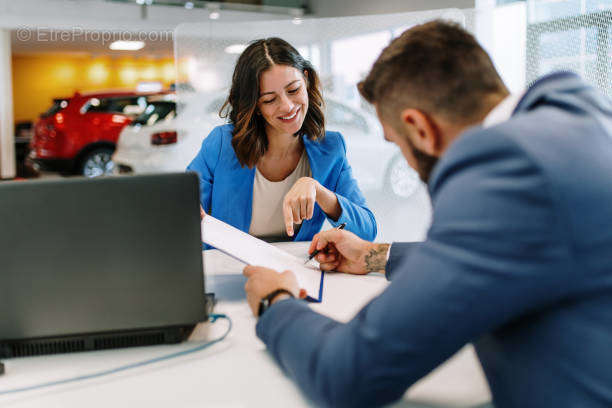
x: 226, y: 188
x: 518, y: 260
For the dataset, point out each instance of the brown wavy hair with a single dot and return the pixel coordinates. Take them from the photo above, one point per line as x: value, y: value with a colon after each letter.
x: 249, y: 136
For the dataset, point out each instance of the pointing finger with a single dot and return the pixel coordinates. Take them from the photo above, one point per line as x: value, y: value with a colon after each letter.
x: 288, y: 216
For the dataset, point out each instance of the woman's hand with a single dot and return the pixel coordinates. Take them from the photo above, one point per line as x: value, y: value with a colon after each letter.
x: 299, y: 202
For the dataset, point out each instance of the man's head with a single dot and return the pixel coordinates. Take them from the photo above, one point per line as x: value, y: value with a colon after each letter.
x: 429, y: 85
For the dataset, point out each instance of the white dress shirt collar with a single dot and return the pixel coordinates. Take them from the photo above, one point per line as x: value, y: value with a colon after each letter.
x: 502, y: 111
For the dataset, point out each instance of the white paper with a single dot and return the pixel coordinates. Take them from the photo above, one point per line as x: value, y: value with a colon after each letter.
x: 254, y: 251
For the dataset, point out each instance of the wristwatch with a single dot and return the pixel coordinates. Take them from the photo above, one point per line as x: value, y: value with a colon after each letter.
x: 266, y: 302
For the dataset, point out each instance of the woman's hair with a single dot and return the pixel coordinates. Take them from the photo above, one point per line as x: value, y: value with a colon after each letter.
x: 249, y: 136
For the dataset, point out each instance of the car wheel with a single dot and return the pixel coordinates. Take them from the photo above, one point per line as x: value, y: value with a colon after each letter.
x: 401, y: 180
x: 98, y: 163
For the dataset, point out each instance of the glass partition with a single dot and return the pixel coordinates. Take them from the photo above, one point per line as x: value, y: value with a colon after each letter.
x: 522, y: 46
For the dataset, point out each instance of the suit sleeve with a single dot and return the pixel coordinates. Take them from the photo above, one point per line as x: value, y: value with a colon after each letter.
x: 355, y: 213
x: 204, y: 165
x: 397, y: 253
x: 494, y: 252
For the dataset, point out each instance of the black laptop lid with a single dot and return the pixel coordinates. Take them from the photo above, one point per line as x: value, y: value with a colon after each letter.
x: 118, y: 253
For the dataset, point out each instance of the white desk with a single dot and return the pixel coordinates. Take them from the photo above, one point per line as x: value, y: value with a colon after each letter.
x: 237, y: 372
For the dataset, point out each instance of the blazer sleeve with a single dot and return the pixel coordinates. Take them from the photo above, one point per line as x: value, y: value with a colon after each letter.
x: 355, y: 213
x: 205, y: 163
x: 503, y: 247
x: 397, y: 253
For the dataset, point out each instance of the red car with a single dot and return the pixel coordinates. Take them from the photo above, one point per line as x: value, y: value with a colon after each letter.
x: 77, y: 135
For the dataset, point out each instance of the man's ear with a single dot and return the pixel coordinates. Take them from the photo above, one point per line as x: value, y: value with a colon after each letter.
x: 427, y: 137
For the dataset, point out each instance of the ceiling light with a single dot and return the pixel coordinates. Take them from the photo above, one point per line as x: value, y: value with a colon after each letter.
x: 127, y: 45
x: 214, y: 15
x: 235, y: 48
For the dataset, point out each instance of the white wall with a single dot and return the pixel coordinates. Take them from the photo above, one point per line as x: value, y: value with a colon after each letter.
x: 502, y: 32
x: 338, y: 8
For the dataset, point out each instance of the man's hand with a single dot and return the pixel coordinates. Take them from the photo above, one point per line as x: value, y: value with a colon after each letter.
x: 343, y: 251
x: 202, y: 213
x: 263, y: 281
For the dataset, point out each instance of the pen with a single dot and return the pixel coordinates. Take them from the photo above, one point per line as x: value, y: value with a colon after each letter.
x: 339, y: 227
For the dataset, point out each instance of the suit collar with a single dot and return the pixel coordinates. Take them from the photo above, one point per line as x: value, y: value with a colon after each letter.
x: 540, y: 90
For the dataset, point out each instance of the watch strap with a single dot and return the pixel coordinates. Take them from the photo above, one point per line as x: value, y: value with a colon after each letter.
x: 264, y: 303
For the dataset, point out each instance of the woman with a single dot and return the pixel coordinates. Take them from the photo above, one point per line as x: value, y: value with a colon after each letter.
x: 274, y: 171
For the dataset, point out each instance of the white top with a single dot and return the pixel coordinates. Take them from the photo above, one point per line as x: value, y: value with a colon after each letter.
x: 267, y: 219
x: 502, y: 111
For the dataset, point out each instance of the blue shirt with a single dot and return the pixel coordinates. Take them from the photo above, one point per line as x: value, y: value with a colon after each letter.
x: 518, y: 260
x: 226, y: 188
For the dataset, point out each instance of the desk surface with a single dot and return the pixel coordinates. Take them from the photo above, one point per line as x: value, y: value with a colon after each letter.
x: 237, y: 372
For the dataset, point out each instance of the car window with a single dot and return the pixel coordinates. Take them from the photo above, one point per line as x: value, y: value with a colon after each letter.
x: 155, y: 112
x: 58, y: 105
x: 131, y: 106
x: 340, y: 115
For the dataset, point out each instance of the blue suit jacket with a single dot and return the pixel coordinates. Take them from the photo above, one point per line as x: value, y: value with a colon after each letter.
x: 518, y: 260
x: 226, y: 188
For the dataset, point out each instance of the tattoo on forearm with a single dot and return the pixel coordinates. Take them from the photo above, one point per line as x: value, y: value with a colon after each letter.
x: 376, y: 259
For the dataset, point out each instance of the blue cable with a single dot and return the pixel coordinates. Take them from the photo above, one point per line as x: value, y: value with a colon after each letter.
x: 213, y: 318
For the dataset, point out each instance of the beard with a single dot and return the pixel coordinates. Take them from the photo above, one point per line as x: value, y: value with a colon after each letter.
x: 425, y: 162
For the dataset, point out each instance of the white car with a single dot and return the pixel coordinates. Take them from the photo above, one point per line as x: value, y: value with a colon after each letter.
x: 159, y: 140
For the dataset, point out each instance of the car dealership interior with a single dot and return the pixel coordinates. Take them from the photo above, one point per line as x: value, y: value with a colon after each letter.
x: 108, y: 110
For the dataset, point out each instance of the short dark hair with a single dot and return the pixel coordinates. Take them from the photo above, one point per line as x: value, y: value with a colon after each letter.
x: 436, y: 67
x: 249, y: 136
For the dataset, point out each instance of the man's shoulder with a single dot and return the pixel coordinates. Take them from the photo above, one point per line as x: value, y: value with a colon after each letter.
x: 477, y: 152
x: 553, y: 140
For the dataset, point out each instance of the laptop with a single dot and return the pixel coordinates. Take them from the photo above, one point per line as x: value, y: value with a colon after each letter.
x: 89, y: 264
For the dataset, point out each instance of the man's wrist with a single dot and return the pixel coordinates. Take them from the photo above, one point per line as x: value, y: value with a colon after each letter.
x: 267, y: 301
x: 376, y: 258
x: 279, y: 297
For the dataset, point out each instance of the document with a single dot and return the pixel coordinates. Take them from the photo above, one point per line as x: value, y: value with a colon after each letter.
x: 254, y: 251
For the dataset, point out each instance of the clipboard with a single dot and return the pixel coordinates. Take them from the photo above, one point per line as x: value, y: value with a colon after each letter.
x: 254, y: 251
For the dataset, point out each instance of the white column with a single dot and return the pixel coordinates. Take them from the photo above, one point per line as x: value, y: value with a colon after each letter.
x: 7, y: 129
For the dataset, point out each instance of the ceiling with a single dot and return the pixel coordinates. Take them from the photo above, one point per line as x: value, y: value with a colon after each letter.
x: 88, y: 27
x: 92, y: 43
x: 270, y: 6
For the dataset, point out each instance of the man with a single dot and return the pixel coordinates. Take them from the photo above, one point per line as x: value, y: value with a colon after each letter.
x: 518, y: 259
